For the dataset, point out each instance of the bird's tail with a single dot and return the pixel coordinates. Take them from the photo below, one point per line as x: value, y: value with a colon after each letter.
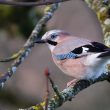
x: 105, y: 54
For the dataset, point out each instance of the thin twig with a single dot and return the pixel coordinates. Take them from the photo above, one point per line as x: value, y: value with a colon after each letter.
x: 13, y: 57
x: 47, y: 89
x: 102, y: 10
x: 55, y: 88
x: 42, y: 2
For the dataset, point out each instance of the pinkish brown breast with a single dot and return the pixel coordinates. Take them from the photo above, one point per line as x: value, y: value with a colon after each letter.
x: 72, y: 67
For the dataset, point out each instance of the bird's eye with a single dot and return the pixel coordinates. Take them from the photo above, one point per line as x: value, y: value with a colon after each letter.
x: 53, y: 36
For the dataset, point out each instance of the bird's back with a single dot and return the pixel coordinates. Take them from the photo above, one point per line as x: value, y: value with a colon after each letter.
x: 69, y: 44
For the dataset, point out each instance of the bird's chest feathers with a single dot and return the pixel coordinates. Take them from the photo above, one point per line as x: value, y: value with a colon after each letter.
x: 71, y: 67
x: 86, y: 67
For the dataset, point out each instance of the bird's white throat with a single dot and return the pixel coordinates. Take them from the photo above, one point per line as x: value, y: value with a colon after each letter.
x: 51, y: 47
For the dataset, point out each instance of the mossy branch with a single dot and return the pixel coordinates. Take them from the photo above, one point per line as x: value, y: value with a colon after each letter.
x: 102, y: 9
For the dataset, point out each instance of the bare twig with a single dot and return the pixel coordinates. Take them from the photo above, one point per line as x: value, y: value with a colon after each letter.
x: 55, y: 87
x: 42, y: 2
x: 47, y: 89
x: 13, y: 57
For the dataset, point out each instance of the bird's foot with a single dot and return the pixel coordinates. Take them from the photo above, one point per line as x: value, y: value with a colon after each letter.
x: 72, y: 83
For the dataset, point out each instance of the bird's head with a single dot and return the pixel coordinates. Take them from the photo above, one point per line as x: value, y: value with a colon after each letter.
x: 53, y: 38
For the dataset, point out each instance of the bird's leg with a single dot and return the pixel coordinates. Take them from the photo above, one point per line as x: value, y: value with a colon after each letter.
x: 72, y: 83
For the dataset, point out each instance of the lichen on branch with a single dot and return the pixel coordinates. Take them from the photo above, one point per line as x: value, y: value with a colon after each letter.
x: 102, y: 10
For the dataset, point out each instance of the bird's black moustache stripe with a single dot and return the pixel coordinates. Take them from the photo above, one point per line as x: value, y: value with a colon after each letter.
x: 52, y: 42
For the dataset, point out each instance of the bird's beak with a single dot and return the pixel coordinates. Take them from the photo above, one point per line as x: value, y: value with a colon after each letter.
x: 40, y: 41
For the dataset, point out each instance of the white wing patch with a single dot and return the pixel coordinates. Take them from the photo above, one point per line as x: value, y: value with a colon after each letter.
x: 84, y: 49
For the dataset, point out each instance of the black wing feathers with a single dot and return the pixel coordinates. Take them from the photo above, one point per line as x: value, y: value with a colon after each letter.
x: 93, y: 47
x: 99, y: 46
x: 105, y: 49
x: 105, y: 54
x: 77, y: 50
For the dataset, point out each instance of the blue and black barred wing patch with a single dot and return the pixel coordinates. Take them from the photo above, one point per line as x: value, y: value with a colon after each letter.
x: 69, y: 55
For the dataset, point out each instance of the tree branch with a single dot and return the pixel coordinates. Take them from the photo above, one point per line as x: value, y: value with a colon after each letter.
x: 68, y: 93
x: 42, y: 2
x: 24, y: 52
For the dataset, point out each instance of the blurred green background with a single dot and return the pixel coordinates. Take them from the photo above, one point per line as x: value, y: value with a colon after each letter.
x: 27, y: 86
x: 19, y: 20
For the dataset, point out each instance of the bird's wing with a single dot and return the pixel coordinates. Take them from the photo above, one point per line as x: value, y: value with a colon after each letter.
x: 84, y: 50
x: 93, y: 47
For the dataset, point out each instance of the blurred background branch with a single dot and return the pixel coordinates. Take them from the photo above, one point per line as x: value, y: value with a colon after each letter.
x: 102, y: 9
x: 38, y: 3
x: 29, y: 44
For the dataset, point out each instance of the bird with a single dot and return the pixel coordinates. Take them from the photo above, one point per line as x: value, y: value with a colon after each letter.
x: 77, y: 57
